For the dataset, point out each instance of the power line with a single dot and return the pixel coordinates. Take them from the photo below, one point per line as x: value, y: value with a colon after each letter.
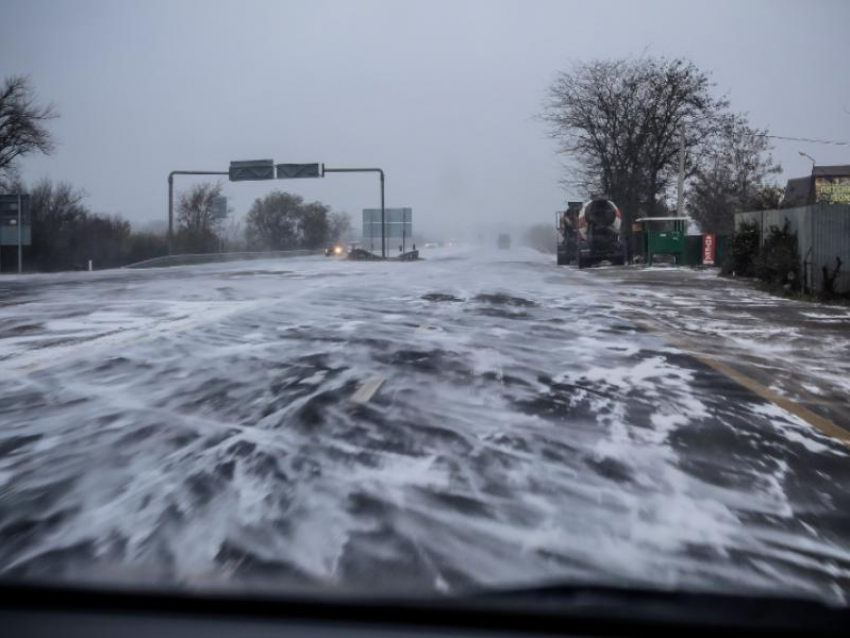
x: 798, y: 139
x: 809, y: 140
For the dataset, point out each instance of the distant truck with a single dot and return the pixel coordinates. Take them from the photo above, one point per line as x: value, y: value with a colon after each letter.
x: 566, y: 225
x: 504, y: 241
x: 598, y: 233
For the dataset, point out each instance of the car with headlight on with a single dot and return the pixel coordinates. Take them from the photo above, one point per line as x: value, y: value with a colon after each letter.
x: 335, y: 250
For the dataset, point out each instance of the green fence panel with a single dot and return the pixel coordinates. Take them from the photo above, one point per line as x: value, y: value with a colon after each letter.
x: 693, y: 250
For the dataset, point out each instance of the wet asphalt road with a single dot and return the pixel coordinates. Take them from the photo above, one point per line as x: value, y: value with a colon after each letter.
x: 195, y: 426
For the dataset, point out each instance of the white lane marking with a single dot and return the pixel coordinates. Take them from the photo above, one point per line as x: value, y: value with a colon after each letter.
x: 367, y: 390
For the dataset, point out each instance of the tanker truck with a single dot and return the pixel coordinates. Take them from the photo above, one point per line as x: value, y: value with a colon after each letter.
x: 566, y: 225
x: 598, y: 233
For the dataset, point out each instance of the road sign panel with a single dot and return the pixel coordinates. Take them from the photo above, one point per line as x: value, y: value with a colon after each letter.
x: 708, y: 248
x: 398, y: 223
x: 218, y: 207
x: 251, y: 170
x: 296, y: 171
x: 9, y: 220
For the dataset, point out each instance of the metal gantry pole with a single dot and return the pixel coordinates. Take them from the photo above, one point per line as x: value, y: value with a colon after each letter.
x: 383, y: 221
x: 367, y: 170
x: 170, y: 211
x: 171, y: 198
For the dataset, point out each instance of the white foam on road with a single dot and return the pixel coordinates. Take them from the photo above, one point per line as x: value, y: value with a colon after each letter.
x: 197, y: 424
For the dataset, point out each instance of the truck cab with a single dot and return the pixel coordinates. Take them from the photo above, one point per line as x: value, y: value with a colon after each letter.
x: 599, y: 236
x: 566, y: 225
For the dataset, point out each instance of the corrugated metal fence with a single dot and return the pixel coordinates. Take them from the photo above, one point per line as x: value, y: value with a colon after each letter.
x: 823, y: 233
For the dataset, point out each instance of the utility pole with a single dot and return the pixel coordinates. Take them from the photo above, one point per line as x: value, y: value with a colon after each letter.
x: 170, y: 211
x: 383, y: 221
x: 680, y: 194
x: 20, y: 242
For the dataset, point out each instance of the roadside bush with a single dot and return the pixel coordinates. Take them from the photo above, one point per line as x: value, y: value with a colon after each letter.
x: 778, y: 265
x: 828, y: 293
x: 742, y: 251
x: 144, y: 245
x: 66, y: 233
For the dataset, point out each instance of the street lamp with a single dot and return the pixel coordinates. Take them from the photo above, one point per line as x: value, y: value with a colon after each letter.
x: 812, y: 196
x: 812, y: 159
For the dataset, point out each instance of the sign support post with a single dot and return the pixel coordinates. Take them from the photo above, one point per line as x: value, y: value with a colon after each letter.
x: 15, y: 226
x: 266, y: 169
x: 383, y: 210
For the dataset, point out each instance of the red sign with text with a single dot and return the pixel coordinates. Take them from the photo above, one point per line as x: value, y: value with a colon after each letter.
x: 708, y: 249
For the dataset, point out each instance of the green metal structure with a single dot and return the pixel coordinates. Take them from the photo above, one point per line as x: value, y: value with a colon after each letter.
x: 664, y: 236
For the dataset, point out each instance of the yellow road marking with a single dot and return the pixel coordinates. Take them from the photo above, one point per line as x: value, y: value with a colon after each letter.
x: 823, y: 424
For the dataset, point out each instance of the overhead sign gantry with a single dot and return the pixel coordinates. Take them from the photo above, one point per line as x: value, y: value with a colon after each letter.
x: 266, y: 169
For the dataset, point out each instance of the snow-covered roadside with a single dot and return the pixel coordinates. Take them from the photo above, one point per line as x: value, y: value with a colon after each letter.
x: 801, y: 347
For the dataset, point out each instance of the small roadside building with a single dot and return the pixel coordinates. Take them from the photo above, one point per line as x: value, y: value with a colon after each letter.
x: 826, y: 185
x: 681, y: 239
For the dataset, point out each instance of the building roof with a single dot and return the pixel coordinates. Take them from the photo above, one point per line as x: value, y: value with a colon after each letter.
x: 798, y: 190
x: 842, y: 170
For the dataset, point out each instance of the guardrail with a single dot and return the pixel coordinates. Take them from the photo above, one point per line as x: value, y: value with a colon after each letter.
x: 211, y: 258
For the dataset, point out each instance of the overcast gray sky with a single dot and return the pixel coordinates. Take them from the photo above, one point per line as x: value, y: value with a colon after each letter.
x: 442, y: 95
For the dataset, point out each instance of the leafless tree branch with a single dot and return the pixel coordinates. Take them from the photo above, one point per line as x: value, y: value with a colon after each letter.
x: 23, y: 122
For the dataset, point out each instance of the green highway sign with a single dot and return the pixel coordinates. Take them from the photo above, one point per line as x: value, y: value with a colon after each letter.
x: 218, y: 207
x: 398, y: 223
x: 249, y: 170
x: 10, y: 217
x: 296, y: 171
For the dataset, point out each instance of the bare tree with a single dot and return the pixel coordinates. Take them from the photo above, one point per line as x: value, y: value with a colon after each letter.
x: 314, y: 225
x: 282, y: 221
x: 58, y: 210
x: 733, y: 176
x: 273, y: 222
x: 766, y: 197
x: 233, y: 233
x: 196, y: 219
x: 620, y: 123
x: 23, y: 121
x: 11, y: 180
x: 339, y: 226
x: 66, y: 233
